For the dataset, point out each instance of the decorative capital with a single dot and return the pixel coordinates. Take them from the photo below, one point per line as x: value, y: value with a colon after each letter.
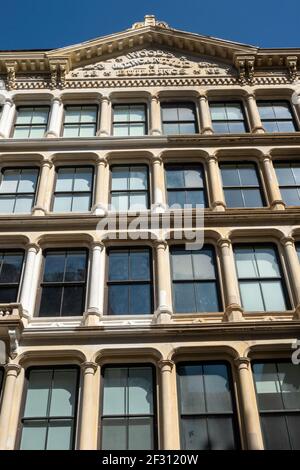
x: 224, y: 242
x: 160, y: 244
x: 166, y: 365
x: 89, y: 367
x: 245, y: 67
x: 242, y: 362
x: 291, y: 64
x: 33, y: 247
x: 101, y: 161
x: 287, y: 241
x: 97, y: 245
x: 47, y: 163
x: 13, y: 368
x: 11, y: 67
x: 212, y: 158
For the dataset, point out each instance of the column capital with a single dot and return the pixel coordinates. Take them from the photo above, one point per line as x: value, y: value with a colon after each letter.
x: 160, y: 244
x: 97, y: 244
x: 155, y: 97
x: 56, y: 99
x: 242, y: 362
x: 286, y: 241
x: 266, y: 157
x: 157, y: 159
x: 89, y: 367
x: 212, y: 158
x: 105, y: 98
x: 12, y: 367
x: 224, y: 242
x: 202, y: 95
x: 250, y: 95
x: 33, y: 247
x: 8, y: 101
x: 47, y: 163
x: 101, y: 161
x: 166, y: 365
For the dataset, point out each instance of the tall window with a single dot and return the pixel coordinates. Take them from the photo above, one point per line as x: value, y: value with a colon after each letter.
x: 129, y: 120
x: 31, y: 122
x: 17, y: 190
x: 288, y: 175
x: 73, y: 190
x: 49, y: 416
x: 278, y: 396
x: 11, y: 263
x: 128, y: 408
x: 195, y: 283
x: 228, y: 118
x: 276, y: 116
x: 206, y: 407
x: 80, y: 121
x: 129, y: 188
x: 186, y: 185
x: 298, y: 250
x: 63, y: 286
x: 1, y: 381
x: 130, y: 282
x: 241, y: 185
x: 179, y: 118
x: 260, y: 278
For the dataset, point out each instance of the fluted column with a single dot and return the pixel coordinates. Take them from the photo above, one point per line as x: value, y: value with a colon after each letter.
x: 271, y: 182
x: 205, y: 117
x: 294, y: 269
x: 155, y: 117
x: 41, y: 205
x: 158, y: 185
x: 101, y: 189
x: 164, y: 310
x: 11, y: 373
x: 250, y: 414
x: 55, y: 119
x: 233, y: 309
x: 254, y: 117
x: 216, y: 189
x: 27, y: 291
x: 6, y: 118
x: 96, y: 281
x: 88, y: 425
x: 169, y: 406
x: 105, y: 117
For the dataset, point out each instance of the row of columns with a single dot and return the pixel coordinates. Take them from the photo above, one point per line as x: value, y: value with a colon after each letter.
x: 168, y: 416
x: 56, y: 116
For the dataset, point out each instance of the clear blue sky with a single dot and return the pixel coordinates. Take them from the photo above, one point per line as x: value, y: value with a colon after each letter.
x: 48, y: 24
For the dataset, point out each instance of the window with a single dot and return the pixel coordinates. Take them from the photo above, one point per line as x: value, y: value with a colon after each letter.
x: 179, y: 118
x: 276, y: 116
x: 73, y: 190
x: 11, y: 263
x: 228, y: 118
x: 195, y: 283
x: 129, y: 282
x: 80, y: 121
x: 278, y: 396
x: 49, y: 416
x: 17, y: 190
x: 31, y: 122
x: 128, y: 408
x: 298, y: 250
x: 288, y: 175
x: 207, y: 420
x: 129, y: 188
x: 186, y: 185
x: 260, y: 278
x: 241, y: 185
x: 129, y: 120
x: 1, y: 379
x: 64, y: 283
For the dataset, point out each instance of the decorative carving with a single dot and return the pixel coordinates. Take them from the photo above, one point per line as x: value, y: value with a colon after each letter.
x: 13, y: 342
x: 245, y: 66
x: 58, y: 71
x: 291, y: 63
x: 11, y: 75
x: 150, y: 20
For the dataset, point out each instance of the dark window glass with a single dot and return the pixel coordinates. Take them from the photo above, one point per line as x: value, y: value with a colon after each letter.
x: 1, y: 380
x: 130, y: 282
x: 288, y: 175
x: 74, y: 189
x: 80, y: 121
x: 128, y: 408
x: 64, y: 283
x: 241, y: 185
x: 129, y: 120
x: 206, y: 407
x: 195, y: 281
x: 260, y: 279
x: 186, y: 185
x: 17, y: 190
x: 11, y: 263
x: 228, y: 118
x: 276, y: 116
x: 298, y: 250
x: 278, y: 396
x: 49, y: 416
x: 179, y: 118
x: 31, y: 122
x: 129, y: 188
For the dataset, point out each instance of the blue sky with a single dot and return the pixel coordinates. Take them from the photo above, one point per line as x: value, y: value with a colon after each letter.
x: 48, y: 24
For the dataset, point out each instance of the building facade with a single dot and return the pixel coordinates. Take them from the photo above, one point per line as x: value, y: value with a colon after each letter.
x: 119, y: 329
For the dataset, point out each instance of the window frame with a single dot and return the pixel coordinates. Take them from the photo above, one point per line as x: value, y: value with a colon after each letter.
x: 145, y: 122
x: 178, y: 103
x: 19, y: 284
x: 227, y: 121
x: 287, y: 163
x: 272, y: 103
x: 26, y: 125
x: 35, y: 194
x: 129, y: 191
x: 77, y: 105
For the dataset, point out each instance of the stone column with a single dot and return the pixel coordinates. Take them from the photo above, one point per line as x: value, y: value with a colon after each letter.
x: 101, y: 190
x: 55, y: 120
x: 254, y: 117
x: 96, y: 282
x: 250, y: 414
x: 169, y: 406
x: 205, y: 117
x: 11, y: 373
x: 88, y: 432
x: 40, y: 207
x: 155, y: 117
x: 216, y: 189
x: 271, y: 183
x: 164, y: 311
x: 294, y: 269
x: 6, y: 118
x: 233, y: 309
x: 105, y: 117
x: 27, y: 292
x: 158, y: 185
